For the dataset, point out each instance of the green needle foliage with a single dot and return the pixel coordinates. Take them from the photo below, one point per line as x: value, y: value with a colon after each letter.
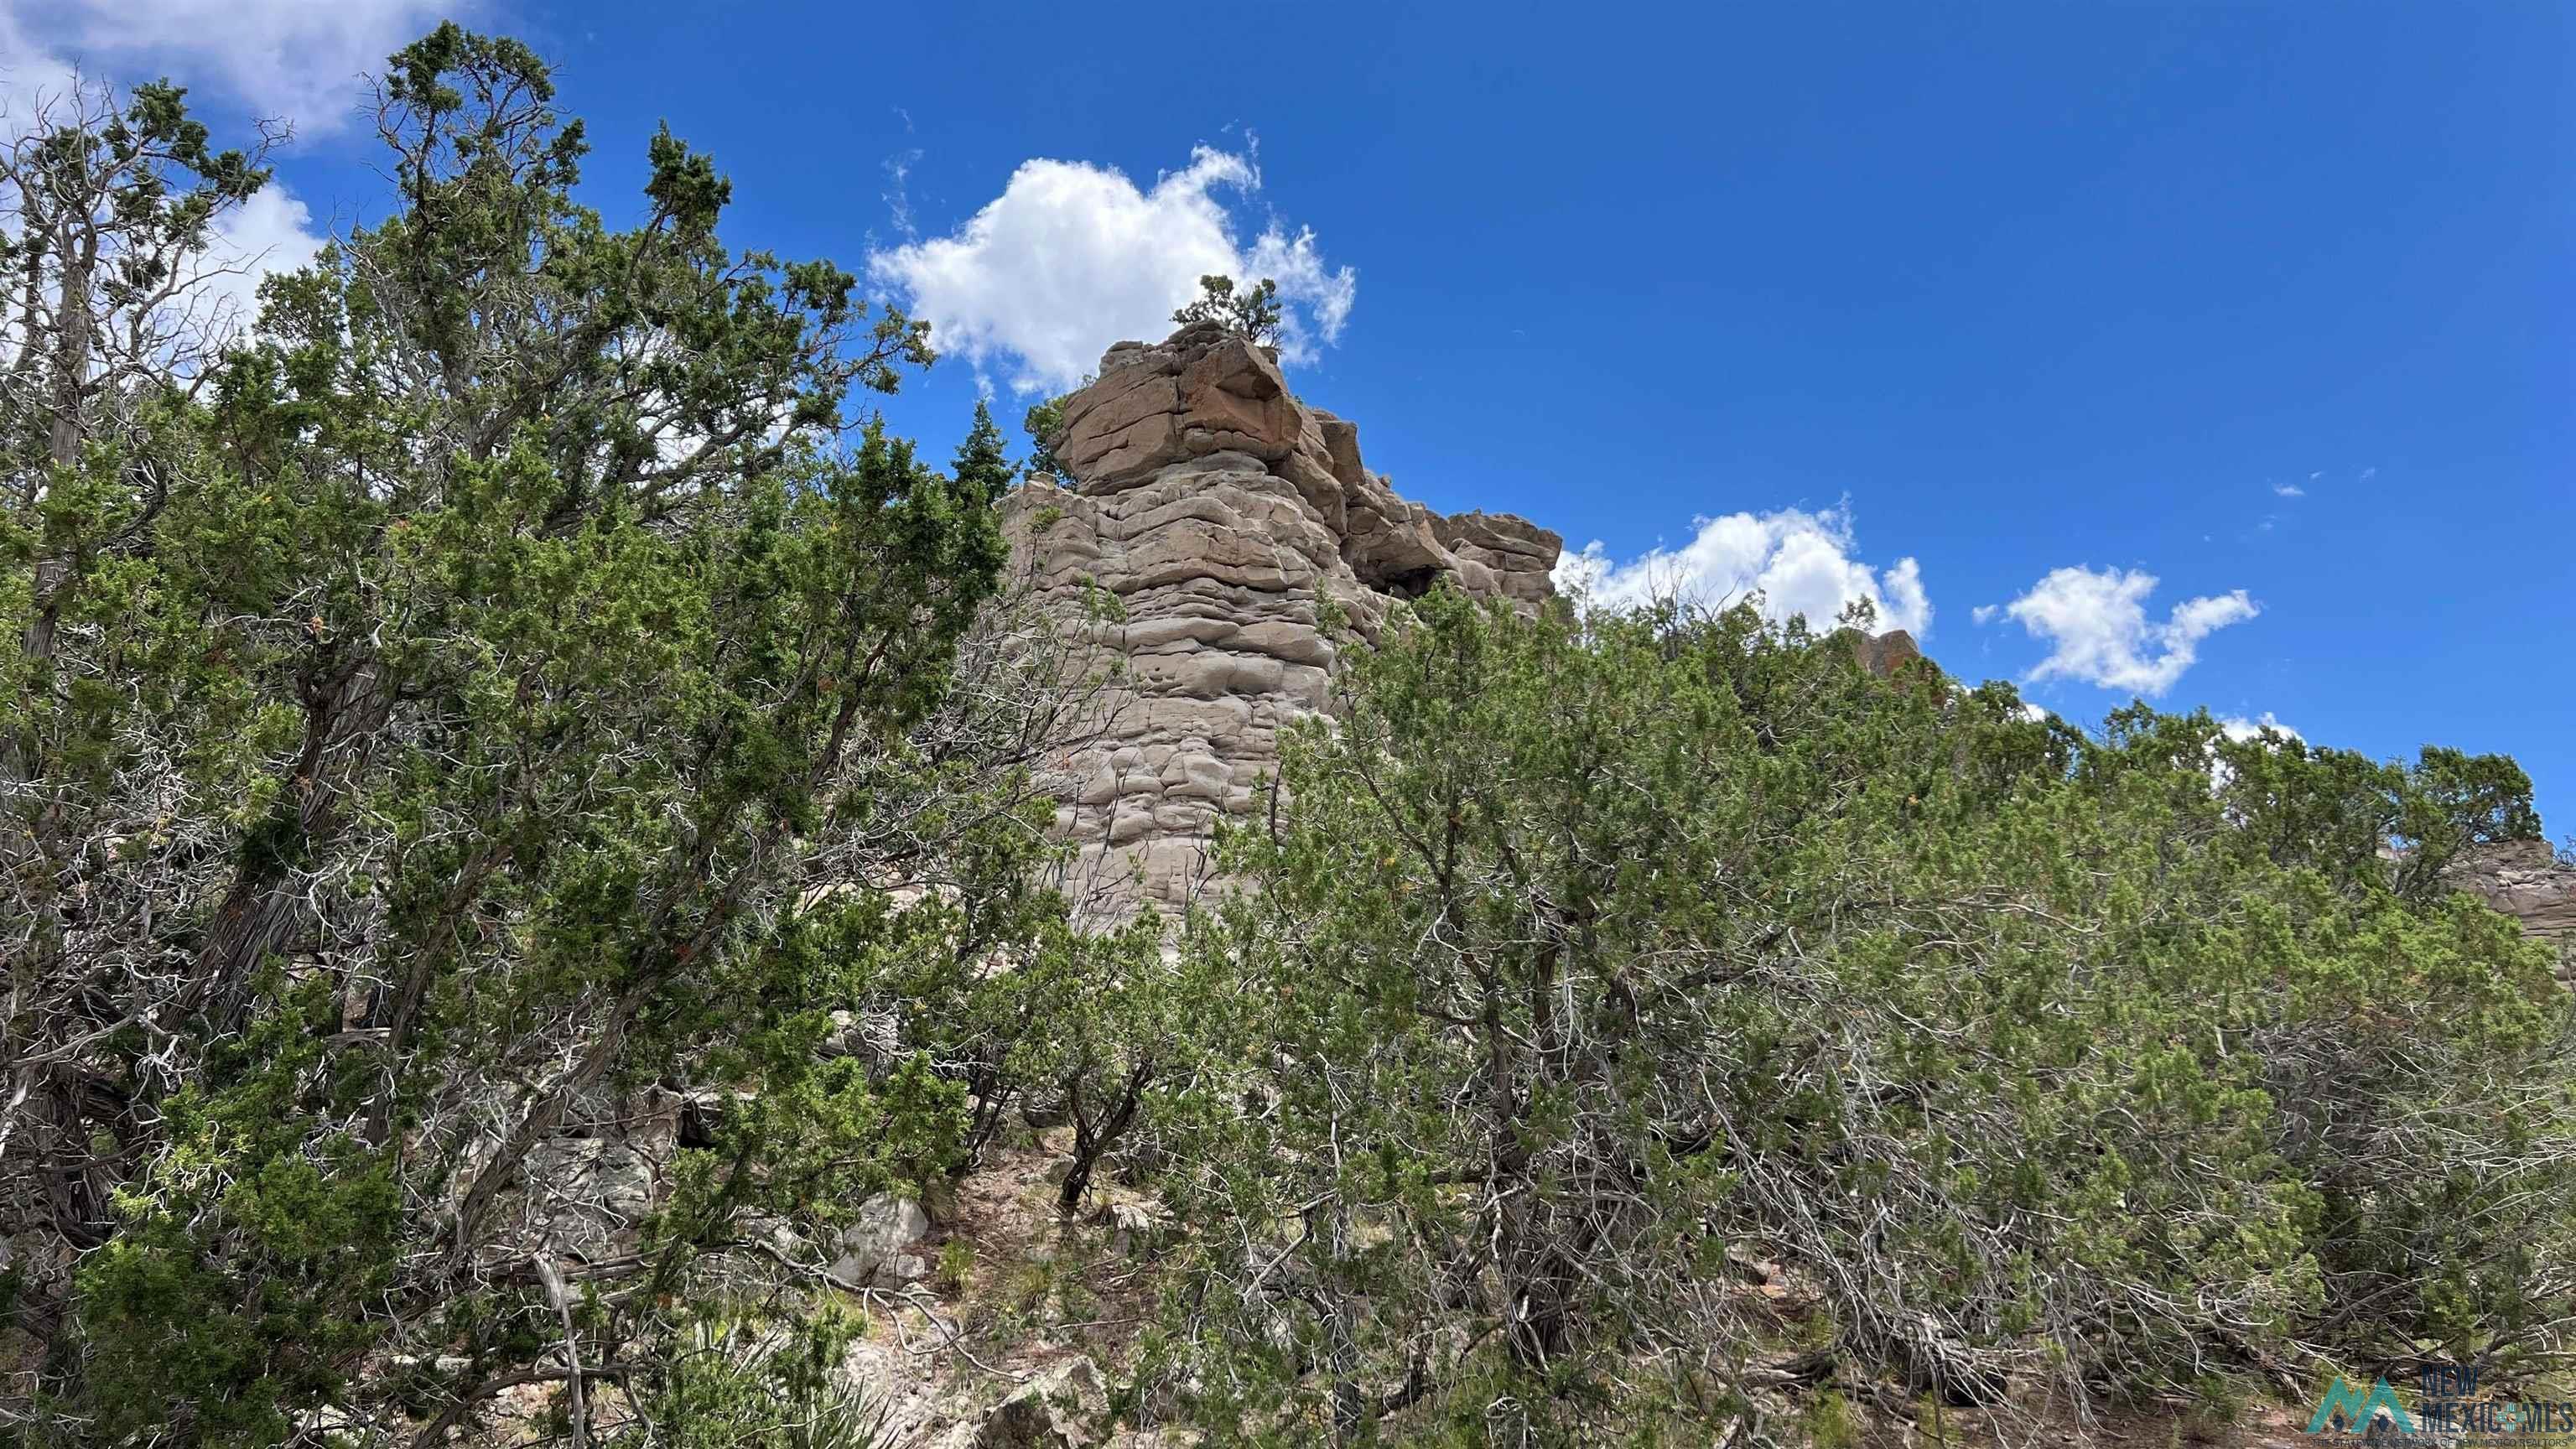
x: 1585, y: 964
x: 435, y: 728
x: 1251, y: 313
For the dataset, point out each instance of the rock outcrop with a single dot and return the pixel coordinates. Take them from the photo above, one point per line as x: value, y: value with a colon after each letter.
x: 2524, y: 880
x: 1884, y: 654
x: 1210, y: 529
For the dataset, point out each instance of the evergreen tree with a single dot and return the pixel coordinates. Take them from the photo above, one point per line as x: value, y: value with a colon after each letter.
x: 1044, y: 423
x: 1586, y: 963
x: 449, y: 736
x: 1252, y: 314
x: 983, y: 468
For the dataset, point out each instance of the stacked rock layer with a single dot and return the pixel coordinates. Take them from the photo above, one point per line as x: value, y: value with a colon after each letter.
x: 2526, y: 880
x: 1207, y: 526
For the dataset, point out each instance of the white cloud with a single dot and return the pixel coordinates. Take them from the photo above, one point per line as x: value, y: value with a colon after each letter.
x: 300, y: 60
x: 1072, y: 257
x: 2289, y: 490
x: 2241, y: 729
x: 2097, y: 625
x: 2245, y: 731
x: 898, y: 200
x: 1984, y: 614
x: 30, y: 72
x: 271, y: 232
x: 1325, y: 295
x: 1799, y: 562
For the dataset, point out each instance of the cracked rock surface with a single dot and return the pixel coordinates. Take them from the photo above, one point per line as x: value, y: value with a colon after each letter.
x: 2525, y: 880
x: 1226, y: 519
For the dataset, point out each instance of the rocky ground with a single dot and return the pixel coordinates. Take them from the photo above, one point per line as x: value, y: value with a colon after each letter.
x: 994, y: 1322
x: 1003, y: 1339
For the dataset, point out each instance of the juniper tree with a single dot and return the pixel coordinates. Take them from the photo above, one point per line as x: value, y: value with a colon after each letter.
x: 502, y: 695
x: 1044, y: 423
x: 1586, y: 963
x: 111, y: 317
x: 1252, y: 313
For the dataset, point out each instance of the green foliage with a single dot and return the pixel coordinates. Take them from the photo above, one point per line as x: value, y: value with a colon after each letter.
x: 148, y: 166
x: 1580, y: 954
x: 465, y: 712
x: 757, y: 1384
x: 243, y: 1193
x: 982, y: 468
x: 956, y: 1270
x: 1252, y: 314
x: 1832, y: 1423
x: 1044, y: 423
x: 1125, y: 1026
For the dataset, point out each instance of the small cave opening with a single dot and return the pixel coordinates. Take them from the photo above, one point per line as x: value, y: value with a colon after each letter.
x: 1412, y: 583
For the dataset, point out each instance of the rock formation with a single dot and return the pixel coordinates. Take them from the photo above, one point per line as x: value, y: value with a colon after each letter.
x: 1209, y: 524
x: 2524, y: 880
x: 1884, y: 654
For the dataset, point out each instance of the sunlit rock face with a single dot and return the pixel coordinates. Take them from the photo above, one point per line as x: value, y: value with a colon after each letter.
x: 1225, y: 519
x: 2523, y: 879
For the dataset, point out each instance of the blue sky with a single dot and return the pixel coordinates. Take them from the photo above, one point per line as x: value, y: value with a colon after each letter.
x: 2269, y: 304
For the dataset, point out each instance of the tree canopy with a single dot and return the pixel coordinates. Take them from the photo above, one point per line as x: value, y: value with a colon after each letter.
x: 1251, y: 313
x: 429, y: 725
x: 1586, y: 963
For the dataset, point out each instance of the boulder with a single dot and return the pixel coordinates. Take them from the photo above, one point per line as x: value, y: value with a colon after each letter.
x: 878, y: 1250
x: 589, y: 1194
x: 1884, y: 654
x: 1232, y: 397
x: 1134, y: 1227
x: 872, y: 1036
x: 1051, y: 1411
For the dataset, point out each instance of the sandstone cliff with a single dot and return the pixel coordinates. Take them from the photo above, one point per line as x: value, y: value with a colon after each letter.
x: 1208, y: 521
x: 2524, y: 879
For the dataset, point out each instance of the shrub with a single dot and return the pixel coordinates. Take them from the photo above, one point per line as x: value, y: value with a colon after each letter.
x: 1581, y: 953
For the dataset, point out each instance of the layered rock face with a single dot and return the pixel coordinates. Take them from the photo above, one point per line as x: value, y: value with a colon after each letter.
x: 2523, y: 879
x: 1209, y: 524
